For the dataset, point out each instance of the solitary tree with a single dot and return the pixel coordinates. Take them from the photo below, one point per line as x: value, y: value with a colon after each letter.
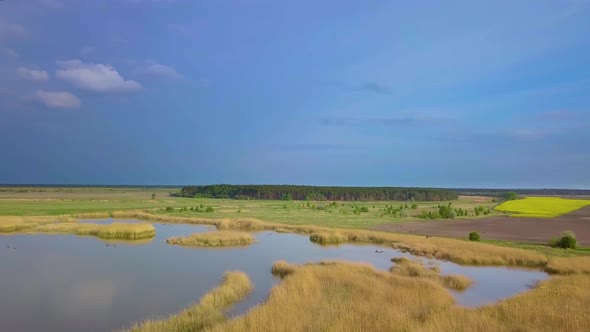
x: 153, y: 195
x: 510, y: 196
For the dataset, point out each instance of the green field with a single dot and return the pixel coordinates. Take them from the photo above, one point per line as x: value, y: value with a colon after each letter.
x: 58, y: 201
x: 541, y: 207
x: 34, y: 201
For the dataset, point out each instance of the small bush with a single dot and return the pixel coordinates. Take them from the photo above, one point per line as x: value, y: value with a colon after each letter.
x: 510, y: 196
x: 209, y: 209
x: 169, y: 209
x: 566, y: 241
x: 474, y: 236
x: 364, y: 209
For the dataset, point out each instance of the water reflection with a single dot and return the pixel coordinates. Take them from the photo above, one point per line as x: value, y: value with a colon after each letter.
x: 71, y: 283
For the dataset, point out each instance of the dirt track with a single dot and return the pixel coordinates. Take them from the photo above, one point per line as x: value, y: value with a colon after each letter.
x: 503, y: 227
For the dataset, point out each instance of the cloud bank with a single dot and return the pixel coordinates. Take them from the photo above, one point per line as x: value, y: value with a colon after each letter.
x: 94, y: 77
x: 33, y: 74
x: 157, y: 69
x: 58, y: 99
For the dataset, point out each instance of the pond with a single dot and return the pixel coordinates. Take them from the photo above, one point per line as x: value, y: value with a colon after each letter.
x: 73, y: 283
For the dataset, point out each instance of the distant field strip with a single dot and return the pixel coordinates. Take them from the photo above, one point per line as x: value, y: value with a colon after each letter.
x: 542, y: 207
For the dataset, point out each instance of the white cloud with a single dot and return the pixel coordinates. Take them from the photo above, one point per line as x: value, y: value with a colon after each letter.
x: 10, y: 52
x: 11, y: 30
x: 33, y: 74
x: 94, y: 77
x: 58, y: 99
x: 162, y: 70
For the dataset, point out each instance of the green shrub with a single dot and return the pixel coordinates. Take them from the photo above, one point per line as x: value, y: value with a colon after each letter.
x: 474, y: 236
x: 414, y: 206
x: 169, y: 209
x: 566, y: 241
x: 209, y: 209
x: 510, y: 196
x: 364, y: 209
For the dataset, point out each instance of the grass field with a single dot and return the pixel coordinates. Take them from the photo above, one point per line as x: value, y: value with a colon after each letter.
x: 59, y: 201
x: 541, y: 207
x: 31, y: 201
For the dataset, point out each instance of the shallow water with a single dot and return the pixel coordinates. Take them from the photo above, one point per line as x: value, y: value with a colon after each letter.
x: 72, y: 283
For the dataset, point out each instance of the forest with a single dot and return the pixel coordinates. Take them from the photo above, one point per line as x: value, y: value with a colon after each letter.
x: 315, y: 193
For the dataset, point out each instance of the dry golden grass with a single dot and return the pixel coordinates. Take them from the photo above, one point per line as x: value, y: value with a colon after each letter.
x: 356, y: 297
x: 214, y: 239
x: 9, y: 224
x: 417, y: 269
x: 400, y: 260
x: 282, y: 269
x: 458, y: 251
x: 456, y: 282
x: 558, y: 304
x: 93, y: 215
x: 111, y: 231
x: 568, y: 265
x: 328, y: 238
x: 68, y: 225
x: 343, y: 297
x: 208, y: 312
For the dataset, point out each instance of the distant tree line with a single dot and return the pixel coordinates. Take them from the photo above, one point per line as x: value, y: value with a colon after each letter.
x: 313, y: 193
x: 534, y: 192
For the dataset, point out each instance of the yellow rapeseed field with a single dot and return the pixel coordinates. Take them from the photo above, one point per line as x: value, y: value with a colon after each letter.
x: 541, y: 207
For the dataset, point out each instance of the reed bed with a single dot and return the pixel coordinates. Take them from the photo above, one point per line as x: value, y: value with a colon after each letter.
x: 456, y: 282
x: 9, y: 224
x: 417, y: 269
x: 282, y: 269
x: 93, y: 215
x: 355, y: 297
x: 568, y: 265
x: 69, y: 225
x: 458, y: 251
x: 214, y: 239
x: 210, y: 310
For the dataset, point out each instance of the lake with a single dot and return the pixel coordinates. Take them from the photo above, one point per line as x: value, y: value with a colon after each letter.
x: 74, y: 283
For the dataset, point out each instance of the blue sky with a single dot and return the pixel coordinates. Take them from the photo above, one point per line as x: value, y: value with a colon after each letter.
x: 376, y: 93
